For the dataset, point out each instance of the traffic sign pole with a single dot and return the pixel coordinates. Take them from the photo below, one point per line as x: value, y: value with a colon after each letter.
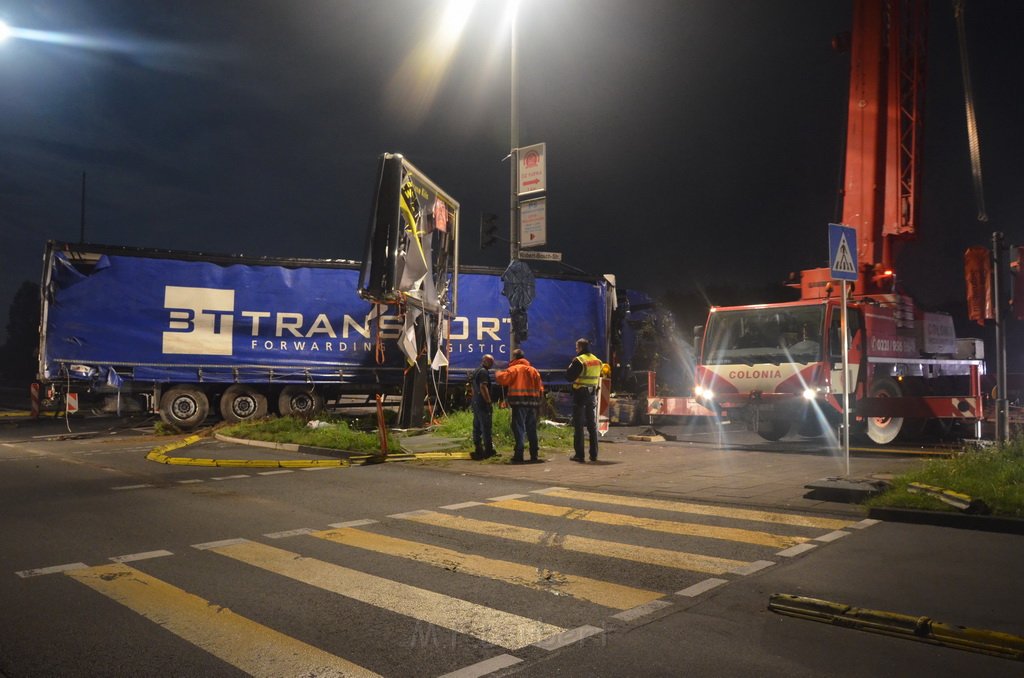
x: 846, y: 379
x: 842, y: 257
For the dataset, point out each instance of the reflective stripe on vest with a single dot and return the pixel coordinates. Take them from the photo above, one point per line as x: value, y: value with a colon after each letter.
x: 591, y: 373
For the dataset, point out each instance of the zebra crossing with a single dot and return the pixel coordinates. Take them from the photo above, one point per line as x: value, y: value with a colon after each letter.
x: 507, y: 580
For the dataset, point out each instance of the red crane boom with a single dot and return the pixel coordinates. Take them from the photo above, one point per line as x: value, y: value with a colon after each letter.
x: 883, y: 139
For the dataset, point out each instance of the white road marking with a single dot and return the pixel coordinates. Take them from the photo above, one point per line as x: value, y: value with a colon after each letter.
x: 288, y: 533
x: 51, y: 570
x: 275, y: 473
x: 567, y: 637
x: 546, y: 490
x: 146, y: 555
x: 407, y: 514
x: 641, y: 610
x: 131, y: 487
x: 753, y: 567
x: 465, y: 504
x: 796, y: 550
x: 354, y: 523
x: 509, y: 496
x: 236, y: 477
x: 217, y: 544
x: 702, y: 587
x: 502, y: 661
x: 832, y: 536
x: 867, y: 522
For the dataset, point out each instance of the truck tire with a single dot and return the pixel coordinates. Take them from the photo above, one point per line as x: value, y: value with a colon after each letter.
x: 773, y: 429
x: 884, y: 430
x: 242, y: 403
x: 299, y: 401
x: 184, y: 407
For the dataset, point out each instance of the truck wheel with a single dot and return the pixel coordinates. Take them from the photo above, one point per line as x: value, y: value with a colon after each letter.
x: 773, y: 429
x: 883, y: 430
x: 300, y: 401
x: 242, y: 403
x: 184, y: 407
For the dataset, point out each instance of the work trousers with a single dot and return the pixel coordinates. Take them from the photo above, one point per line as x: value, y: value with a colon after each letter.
x: 482, y: 419
x: 524, y: 428
x: 584, y: 415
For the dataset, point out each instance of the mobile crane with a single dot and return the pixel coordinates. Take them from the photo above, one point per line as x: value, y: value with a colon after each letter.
x: 779, y: 366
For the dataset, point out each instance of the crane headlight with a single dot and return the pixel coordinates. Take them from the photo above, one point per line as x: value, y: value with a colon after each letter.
x: 702, y: 392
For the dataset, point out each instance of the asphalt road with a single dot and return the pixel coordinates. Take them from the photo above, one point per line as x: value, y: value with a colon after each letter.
x: 112, y: 565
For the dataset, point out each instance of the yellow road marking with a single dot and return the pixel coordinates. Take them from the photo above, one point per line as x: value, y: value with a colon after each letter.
x: 159, y: 455
x: 668, y: 526
x: 603, y: 593
x: 504, y: 629
x: 241, y: 642
x: 702, y: 509
x: 679, y: 560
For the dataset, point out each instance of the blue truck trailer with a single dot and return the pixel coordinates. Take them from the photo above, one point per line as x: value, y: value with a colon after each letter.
x: 188, y: 334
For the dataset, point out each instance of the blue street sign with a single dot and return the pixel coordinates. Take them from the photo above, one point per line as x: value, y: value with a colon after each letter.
x: 842, y: 252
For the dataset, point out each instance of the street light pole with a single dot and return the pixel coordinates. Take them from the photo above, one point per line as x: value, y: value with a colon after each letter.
x: 513, y: 216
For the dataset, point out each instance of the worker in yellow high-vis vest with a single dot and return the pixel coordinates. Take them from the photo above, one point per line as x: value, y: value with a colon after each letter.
x: 584, y: 372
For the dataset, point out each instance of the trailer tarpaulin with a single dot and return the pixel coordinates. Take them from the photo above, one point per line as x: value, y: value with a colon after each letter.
x: 167, y: 319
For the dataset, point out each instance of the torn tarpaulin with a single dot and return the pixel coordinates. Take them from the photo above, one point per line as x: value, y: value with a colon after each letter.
x: 520, y: 286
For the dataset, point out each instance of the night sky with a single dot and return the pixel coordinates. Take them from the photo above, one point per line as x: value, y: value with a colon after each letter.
x: 690, y: 143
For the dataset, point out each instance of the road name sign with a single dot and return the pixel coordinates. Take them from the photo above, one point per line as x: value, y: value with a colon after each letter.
x: 540, y: 256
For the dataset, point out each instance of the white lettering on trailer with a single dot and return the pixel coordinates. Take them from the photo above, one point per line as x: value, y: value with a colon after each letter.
x: 363, y: 329
x: 255, y: 315
x: 200, y: 321
x: 322, y: 326
x: 288, y: 321
x: 461, y: 334
x: 488, y: 326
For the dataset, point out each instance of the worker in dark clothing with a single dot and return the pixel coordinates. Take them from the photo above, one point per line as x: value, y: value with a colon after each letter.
x: 483, y: 410
x: 584, y: 372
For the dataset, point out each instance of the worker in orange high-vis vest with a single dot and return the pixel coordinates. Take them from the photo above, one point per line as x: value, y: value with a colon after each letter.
x: 584, y: 372
x: 525, y: 391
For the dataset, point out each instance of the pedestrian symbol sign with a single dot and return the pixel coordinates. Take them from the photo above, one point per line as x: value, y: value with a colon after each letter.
x: 842, y: 252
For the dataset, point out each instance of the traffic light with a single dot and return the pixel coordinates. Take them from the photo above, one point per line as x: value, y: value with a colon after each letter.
x: 488, y: 230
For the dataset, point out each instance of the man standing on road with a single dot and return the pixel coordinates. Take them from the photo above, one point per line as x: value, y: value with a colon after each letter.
x: 480, y: 382
x: 524, y: 396
x: 584, y: 372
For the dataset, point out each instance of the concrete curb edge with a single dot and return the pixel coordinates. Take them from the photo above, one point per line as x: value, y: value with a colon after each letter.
x: 949, y: 519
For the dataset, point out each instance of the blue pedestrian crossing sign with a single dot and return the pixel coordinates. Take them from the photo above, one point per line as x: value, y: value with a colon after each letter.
x: 842, y: 252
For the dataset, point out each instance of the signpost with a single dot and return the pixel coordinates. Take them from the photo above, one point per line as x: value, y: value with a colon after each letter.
x: 842, y: 259
x: 529, y: 218
x: 532, y: 174
x: 533, y: 223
